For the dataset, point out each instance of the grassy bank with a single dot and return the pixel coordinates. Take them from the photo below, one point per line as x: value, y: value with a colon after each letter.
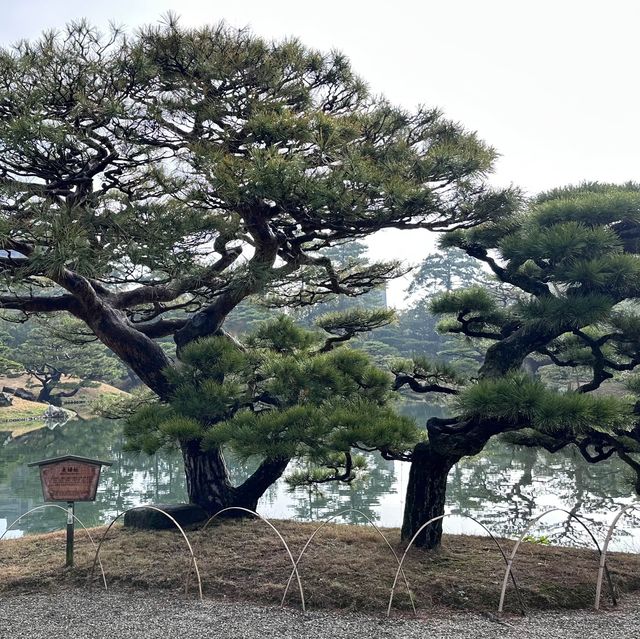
x: 21, y: 409
x: 346, y: 567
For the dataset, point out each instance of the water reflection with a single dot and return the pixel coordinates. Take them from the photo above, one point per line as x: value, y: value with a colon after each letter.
x: 132, y: 480
x: 507, y: 485
x: 503, y: 487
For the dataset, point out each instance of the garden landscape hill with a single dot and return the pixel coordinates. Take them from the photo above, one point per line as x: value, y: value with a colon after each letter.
x: 20, y: 418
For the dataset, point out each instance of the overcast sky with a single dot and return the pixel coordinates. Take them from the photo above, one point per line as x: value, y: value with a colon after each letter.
x: 553, y: 86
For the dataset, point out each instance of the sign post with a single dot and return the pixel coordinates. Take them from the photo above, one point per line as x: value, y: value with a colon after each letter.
x: 70, y: 533
x: 70, y: 478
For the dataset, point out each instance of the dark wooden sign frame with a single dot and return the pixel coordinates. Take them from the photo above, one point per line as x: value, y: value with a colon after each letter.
x: 70, y: 478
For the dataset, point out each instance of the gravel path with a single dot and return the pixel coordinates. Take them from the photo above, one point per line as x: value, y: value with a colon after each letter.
x: 83, y: 616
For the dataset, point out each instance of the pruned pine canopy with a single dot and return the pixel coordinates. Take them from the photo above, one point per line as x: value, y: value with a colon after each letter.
x: 60, y: 358
x: 283, y: 397
x: 150, y: 183
x: 574, y: 259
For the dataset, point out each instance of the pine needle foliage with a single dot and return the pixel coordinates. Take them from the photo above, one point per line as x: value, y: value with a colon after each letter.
x: 60, y: 357
x: 473, y: 312
x: 429, y: 370
x: 591, y: 204
x: 525, y: 402
x: 283, y: 336
x: 202, y: 166
x: 471, y: 300
x: 279, y: 396
x: 355, y: 320
x: 572, y: 259
x: 557, y: 243
x: 554, y: 353
x: 558, y: 313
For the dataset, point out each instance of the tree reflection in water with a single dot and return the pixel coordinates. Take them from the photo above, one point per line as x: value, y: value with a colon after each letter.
x: 504, y: 487
x: 508, y: 485
x: 133, y: 479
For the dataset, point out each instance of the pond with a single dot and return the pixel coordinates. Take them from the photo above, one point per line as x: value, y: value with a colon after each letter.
x: 503, y: 487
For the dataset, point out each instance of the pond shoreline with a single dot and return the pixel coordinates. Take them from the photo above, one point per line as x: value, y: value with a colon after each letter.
x: 504, y: 488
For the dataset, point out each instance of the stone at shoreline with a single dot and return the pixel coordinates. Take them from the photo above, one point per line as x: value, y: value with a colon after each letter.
x: 5, y: 400
x: 149, y: 519
x: 19, y: 392
x: 54, y: 412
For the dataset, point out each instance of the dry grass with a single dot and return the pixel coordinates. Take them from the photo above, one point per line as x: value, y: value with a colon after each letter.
x: 346, y: 567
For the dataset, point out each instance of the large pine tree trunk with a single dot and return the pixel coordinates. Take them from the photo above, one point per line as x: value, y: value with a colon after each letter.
x: 426, y: 494
x: 49, y: 382
x: 209, y: 486
x: 207, y: 476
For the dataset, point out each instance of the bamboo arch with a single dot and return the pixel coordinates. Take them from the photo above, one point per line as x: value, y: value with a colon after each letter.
x: 176, y: 524
x: 603, y: 555
x: 524, y: 534
x: 284, y: 543
x: 322, y: 525
x: 65, y: 510
x: 431, y: 521
x: 602, y: 571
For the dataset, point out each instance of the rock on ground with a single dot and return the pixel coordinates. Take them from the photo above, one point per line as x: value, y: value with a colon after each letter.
x: 152, y: 519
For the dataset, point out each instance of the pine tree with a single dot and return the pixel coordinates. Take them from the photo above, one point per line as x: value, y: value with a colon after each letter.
x: 573, y: 256
x: 443, y: 271
x: 287, y: 394
x: 347, y: 256
x: 61, y: 359
x: 7, y: 363
x: 150, y: 184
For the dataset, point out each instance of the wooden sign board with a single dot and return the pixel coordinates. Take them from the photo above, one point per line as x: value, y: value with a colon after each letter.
x: 70, y: 478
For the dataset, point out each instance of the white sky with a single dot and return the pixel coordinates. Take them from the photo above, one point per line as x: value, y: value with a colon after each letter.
x: 552, y: 85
